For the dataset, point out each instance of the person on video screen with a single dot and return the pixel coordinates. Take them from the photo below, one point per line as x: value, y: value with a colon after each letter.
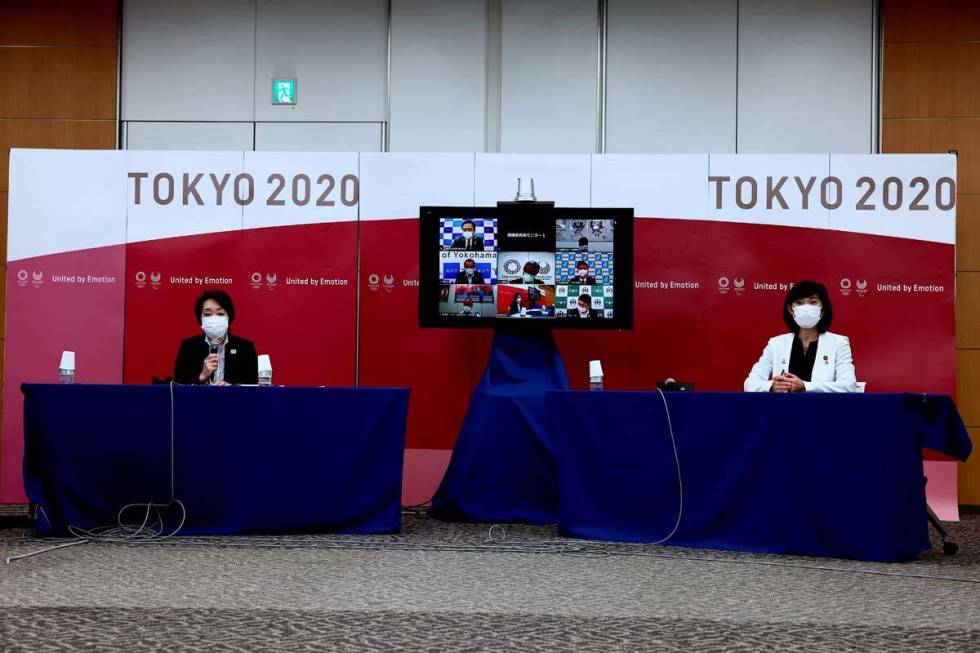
x: 468, y: 240
x: 583, y: 244
x: 517, y: 306
x: 582, y: 276
x: 531, y: 269
x: 468, y: 308
x: 469, y: 275
x: 533, y: 297
x: 583, y: 308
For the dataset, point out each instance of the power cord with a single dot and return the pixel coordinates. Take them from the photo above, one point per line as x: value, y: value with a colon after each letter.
x: 123, y: 532
x: 680, y: 478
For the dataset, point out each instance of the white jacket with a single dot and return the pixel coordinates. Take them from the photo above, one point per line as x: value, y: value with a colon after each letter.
x: 833, y: 371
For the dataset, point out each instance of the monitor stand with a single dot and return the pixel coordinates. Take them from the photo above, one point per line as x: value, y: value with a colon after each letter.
x: 503, y: 467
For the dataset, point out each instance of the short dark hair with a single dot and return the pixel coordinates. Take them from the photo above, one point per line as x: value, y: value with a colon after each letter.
x: 220, y: 296
x: 802, y: 290
x: 469, y: 260
x: 585, y: 297
x: 583, y: 241
x: 534, y: 265
x: 582, y: 264
x: 468, y: 222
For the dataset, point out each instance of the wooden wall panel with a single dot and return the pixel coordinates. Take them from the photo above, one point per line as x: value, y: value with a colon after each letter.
x: 77, y: 134
x: 59, y: 22
x: 935, y: 20
x: 3, y: 232
x: 931, y: 103
x: 968, y: 386
x: 969, y: 474
x: 58, y: 83
x: 967, y: 309
x: 3, y: 306
x: 968, y: 233
x: 939, y: 135
x: 58, y: 87
x: 931, y: 80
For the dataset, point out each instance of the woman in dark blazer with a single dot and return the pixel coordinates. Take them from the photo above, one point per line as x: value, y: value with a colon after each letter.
x: 216, y: 357
x: 516, y: 305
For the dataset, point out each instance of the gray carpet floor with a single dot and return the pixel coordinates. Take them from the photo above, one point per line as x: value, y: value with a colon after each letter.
x: 450, y: 587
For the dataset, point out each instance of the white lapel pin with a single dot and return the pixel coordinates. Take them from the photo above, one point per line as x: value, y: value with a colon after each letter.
x: 235, y: 351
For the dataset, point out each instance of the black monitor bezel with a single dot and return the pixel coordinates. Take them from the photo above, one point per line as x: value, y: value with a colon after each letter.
x: 429, y: 225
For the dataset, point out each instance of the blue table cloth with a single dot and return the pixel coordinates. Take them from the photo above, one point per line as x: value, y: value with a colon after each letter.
x: 502, y: 467
x: 808, y: 474
x: 240, y: 459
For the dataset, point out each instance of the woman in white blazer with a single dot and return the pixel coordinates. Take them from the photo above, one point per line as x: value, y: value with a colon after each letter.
x: 809, y: 358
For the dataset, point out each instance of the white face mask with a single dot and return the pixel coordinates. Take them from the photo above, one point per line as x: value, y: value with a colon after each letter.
x: 583, y: 309
x: 467, y: 235
x: 528, y: 278
x: 583, y: 273
x: 806, y: 315
x: 215, y: 326
x: 469, y: 272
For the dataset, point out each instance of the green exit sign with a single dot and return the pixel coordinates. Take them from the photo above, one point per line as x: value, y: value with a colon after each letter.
x: 284, y: 90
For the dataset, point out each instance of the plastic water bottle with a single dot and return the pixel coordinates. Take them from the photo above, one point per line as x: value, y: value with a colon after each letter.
x: 595, y: 376
x: 265, y: 370
x: 66, y: 369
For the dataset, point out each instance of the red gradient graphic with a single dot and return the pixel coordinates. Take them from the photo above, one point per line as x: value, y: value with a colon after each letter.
x: 706, y: 321
x: 441, y: 366
x: 71, y: 301
x: 309, y: 329
x: 707, y: 297
x: 293, y: 289
x: 163, y: 279
x: 712, y: 334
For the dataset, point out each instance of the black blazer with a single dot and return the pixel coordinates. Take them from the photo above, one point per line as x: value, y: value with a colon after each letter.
x: 476, y: 244
x: 477, y: 278
x: 241, y: 361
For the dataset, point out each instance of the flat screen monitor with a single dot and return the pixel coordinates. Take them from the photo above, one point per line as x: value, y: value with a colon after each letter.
x: 525, y: 266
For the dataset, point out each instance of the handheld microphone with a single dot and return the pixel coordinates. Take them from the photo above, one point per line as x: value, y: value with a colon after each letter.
x: 212, y: 349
